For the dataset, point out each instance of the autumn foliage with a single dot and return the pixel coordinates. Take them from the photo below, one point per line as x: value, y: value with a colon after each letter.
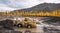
x: 35, y: 14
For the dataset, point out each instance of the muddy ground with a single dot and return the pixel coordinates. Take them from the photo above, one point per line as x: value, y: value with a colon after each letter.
x: 50, y: 25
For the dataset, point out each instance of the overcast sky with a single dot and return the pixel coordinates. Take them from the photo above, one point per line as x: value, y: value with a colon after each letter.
x: 14, y: 4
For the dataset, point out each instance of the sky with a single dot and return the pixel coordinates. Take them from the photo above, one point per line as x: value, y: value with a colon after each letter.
x: 10, y: 5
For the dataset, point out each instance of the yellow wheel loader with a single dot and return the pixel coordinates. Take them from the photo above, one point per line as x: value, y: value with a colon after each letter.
x: 26, y: 23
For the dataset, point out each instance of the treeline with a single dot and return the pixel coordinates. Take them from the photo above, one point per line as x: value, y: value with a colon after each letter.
x: 35, y: 14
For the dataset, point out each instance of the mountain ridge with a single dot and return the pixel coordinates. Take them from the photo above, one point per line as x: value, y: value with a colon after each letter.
x: 43, y: 7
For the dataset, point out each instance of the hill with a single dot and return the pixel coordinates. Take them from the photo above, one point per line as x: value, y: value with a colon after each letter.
x: 43, y: 7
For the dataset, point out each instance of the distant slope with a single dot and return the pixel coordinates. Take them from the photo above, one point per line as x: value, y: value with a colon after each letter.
x: 43, y: 7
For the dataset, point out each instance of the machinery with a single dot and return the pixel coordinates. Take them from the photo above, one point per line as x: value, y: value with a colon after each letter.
x: 26, y: 23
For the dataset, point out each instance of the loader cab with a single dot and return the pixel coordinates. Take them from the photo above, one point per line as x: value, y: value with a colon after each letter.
x: 27, y: 19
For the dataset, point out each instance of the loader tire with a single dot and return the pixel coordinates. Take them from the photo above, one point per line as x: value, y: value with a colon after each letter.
x: 28, y: 26
x: 20, y: 25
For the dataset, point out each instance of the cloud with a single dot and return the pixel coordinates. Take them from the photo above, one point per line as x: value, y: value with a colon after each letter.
x: 20, y: 4
x: 50, y: 1
x: 28, y: 3
x: 53, y: 1
x: 23, y: 3
x: 4, y: 8
x: 3, y: 5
